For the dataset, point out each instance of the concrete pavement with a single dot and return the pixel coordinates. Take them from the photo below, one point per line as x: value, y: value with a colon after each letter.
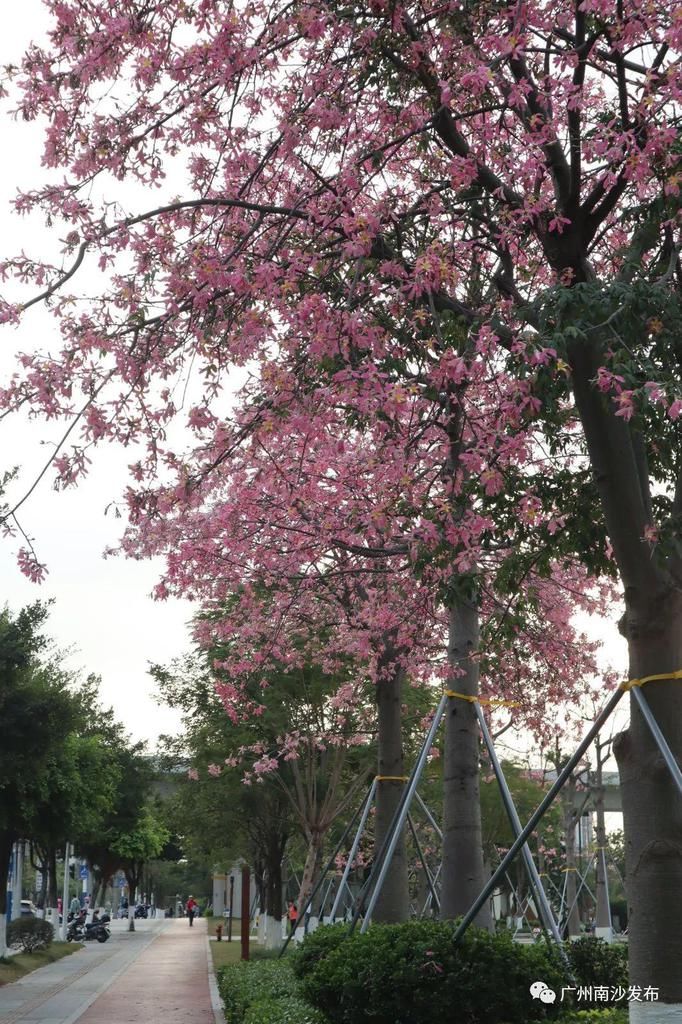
x: 158, y: 974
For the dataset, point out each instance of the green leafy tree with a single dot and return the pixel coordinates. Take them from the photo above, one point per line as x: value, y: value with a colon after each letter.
x: 143, y: 841
x: 36, y: 713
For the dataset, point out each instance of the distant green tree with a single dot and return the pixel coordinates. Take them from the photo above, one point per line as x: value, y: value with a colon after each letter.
x: 37, y: 713
x: 102, y: 848
x: 83, y: 781
x: 143, y: 842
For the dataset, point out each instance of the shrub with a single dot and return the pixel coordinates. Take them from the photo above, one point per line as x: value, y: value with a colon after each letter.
x: 411, y: 973
x: 290, y: 1010
x: 29, y: 933
x: 244, y: 984
x: 596, y: 962
x: 316, y: 946
x: 608, y: 1015
x: 274, y: 953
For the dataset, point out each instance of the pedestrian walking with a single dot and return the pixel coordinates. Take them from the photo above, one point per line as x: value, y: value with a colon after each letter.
x: 191, y: 908
x: 292, y: 914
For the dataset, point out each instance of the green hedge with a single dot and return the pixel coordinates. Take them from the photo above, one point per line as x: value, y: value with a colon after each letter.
x: 412, y: 973
x: 288, y: 1010
x: 595, y: 962
x: 610, y: 1015
x: 243, y: 985
x: 316, y: 946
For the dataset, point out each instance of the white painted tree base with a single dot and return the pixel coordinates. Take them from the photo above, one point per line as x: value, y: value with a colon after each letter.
x: 655, y: 1013
x: 272, y: 933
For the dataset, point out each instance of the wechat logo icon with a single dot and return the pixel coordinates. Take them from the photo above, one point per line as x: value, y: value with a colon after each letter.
x: 540, y: 991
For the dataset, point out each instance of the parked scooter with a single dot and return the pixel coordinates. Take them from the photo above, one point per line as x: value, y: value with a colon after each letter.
x: 141, y: 911
x: 79, y: 931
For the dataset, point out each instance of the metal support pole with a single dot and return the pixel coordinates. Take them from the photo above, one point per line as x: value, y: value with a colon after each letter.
x: 564, y: 900
x: 325, y: 898
x: 398, y: 823
x: 660, y: 739
x: 537, y: 888
x: 354, y: 848
x: 521, y: 905
x: 428, y: 900
x: 323, y: 874
x: 549, y: 798
x: 583, y: 885
x: 425, y: 866
x: 606, y: 888
x: 432, y: 821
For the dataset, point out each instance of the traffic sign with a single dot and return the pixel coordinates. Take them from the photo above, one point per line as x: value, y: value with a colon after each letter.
x: 83, y: 873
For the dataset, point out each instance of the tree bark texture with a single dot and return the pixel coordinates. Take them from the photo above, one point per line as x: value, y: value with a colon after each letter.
x: 52, y: 894
x: 273, y: 883
x: 652, y: 808
x: 6, y: 844
x: 463, y: 870
x: 311, y: 870
x: 652, y: 625
x: 393, y: 904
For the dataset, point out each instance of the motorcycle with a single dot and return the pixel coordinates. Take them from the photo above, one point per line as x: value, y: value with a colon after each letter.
x: 82, y: 932
x: 141, y: 911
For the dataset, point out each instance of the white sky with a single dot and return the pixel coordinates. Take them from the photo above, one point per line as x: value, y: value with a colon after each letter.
x: 102, y: 608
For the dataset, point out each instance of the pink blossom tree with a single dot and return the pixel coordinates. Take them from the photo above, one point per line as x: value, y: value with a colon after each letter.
x: 347, y: 165
x: 313, y: 528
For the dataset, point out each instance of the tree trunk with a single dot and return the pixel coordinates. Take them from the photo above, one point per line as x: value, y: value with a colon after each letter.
x: 273, y: 886
x: 44, y: 869
x: 52, y: 894
x: 259, y: 869
x: 133, y: 879
x: 463, y: 871
x: 310, y: 869
x: 393, y: 904
x: 6, y: 843
x: 97, y: 889
x: 572, y: 928
x: 652, y: 807
x: 652, y: 810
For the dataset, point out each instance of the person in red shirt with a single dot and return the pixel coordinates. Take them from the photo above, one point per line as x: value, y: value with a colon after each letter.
x: 191, y: 908
x: 292, y: 914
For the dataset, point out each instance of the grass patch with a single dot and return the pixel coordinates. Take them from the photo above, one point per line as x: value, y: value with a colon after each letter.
x: 16, y: 967
x: 225, y: 952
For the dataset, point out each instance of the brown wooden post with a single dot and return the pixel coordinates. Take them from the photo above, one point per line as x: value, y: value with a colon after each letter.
x: 246, y: 910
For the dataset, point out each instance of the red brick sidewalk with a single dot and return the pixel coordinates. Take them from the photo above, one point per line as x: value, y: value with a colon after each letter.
x: 167, y: 984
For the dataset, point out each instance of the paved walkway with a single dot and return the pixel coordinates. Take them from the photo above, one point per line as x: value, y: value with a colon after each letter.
x: 157, y: 975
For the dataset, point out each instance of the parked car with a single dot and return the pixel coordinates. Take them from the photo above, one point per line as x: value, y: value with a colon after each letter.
x: 28, y: 908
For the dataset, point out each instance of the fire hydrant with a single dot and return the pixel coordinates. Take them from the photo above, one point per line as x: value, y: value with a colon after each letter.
x: 219, y: 932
